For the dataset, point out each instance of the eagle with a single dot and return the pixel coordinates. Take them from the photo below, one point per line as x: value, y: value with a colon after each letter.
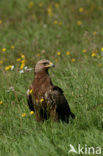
x: 46, y: 99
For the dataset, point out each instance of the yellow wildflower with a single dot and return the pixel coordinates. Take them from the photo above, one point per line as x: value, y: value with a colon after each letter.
x: 73, y: 59
x: 81, y: 9
x: 55, y: 22
x: 49, y: 11
x: 18, y: 60
x: 0, y: 21
x: 32, y: 112
x: 22, y: 66
x: 23, y: 115
x: 99, y: 65
x: 23, y: 61
x: 93, y: 54
x: 3, y: 49
x: 41, y: 100
x: 102, y: 49
x: 7, y: 67
x: 58, y: 53
x: 56, y: 5
x: 1, y: 62
x: 79, y: 22
x: 12, y: 46
x: 30, y: 92
x: 68, y: 53
x: 22, y: 56
x: 84, y: 50
x: 1, y: 102
x: 31, y: 4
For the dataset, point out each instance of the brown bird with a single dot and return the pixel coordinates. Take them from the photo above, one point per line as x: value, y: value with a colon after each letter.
x: 47, y: 100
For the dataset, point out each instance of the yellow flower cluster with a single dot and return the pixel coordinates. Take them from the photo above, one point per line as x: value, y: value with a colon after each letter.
x: 3, y: 49
x: 102, y: 49
x: 18, y: 60
x: 84, y: 50
x: 41, y: 100
x: 9, y: 67
x: 73, y: 59
x: 68, y: 53
x: 30, y: 92
x: 32, y: 112
x: 58, y: 53
x: 23, y: 115
x: 93, y: 54
x: 22, y: 60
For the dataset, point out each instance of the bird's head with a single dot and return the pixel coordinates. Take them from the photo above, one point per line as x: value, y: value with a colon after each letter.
x: 43, y: 65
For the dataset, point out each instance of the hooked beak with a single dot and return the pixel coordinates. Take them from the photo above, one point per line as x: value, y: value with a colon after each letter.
x: 50, y: 65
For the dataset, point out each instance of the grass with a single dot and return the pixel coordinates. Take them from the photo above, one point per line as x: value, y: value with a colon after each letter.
x: 40, y: 29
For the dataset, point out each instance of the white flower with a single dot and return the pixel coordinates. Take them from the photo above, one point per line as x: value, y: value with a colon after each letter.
x: 11, y: 89
x: 21, y: 71
x: 25, y: 67
x: 28, y: 69
x: 12, y: 67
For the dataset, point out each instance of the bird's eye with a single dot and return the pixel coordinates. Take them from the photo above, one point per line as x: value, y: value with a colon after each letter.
x: 45, y: 63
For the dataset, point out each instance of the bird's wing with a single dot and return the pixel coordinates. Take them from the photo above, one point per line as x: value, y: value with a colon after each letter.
x: 56, y: 95
x: 30, y: 99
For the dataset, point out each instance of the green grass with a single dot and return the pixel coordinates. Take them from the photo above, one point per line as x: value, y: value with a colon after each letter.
x: 33, y: 33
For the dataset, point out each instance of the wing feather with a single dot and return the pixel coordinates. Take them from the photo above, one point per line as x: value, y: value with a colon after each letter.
x: 57, y: 97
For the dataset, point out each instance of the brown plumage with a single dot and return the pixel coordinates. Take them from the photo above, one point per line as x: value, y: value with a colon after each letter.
x: 47, y: 100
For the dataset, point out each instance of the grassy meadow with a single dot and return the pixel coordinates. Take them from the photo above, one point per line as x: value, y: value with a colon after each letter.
x: 70, y: 34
